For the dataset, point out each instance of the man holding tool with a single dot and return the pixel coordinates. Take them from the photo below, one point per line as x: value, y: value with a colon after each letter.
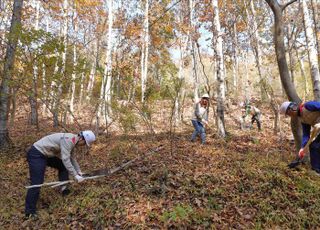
x: 309, y: 115
x: 55, y: 150
x: 200, y: 118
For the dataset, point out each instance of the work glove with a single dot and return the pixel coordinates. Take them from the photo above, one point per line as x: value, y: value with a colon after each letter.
x: 79, y: 178
x: 301, y: 153
x: 80, y: 173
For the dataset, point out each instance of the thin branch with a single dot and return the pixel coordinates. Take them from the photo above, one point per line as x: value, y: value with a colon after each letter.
x: 287, y: 4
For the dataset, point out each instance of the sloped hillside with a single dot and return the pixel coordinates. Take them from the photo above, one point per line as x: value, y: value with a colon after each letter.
x: 241, y: 182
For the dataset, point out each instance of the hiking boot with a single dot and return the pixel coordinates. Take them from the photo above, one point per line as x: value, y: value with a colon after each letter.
x: 31, y: 216
x: 317, y: 171
x: 65, y: 191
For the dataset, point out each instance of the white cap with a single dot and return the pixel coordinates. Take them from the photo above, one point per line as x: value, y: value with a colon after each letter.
x: 205, y: 95
x: 283, y: 108
x: 88, y: 136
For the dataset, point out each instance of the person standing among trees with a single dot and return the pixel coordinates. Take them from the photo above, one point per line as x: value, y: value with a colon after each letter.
x: 200, y: 118
x: 309, y: 116
x: 253, y: 111
x: 55, y: 150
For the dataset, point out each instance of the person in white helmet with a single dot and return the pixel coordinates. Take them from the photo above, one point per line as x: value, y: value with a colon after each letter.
x: 57, y: 151
x: 200, y: 118
x: 309, y: 115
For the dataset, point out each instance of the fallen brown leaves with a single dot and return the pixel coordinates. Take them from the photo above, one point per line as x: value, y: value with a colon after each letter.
x: 240, y: 182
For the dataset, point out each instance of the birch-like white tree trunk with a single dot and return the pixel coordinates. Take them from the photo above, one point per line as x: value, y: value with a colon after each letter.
x: 73, y: 76
x: 247, y: 89
x: 193, y: 51
x: 93, y: 70
x: 235, y: 62
x: 303, y: 74
x: 219, y: 70
x: 44, y: 81
x: 105, y: 92
x: 57, y: 99
x: 312, y: 51
x: 315, y: 16
x: 82, y: 85
x: 145, y: 52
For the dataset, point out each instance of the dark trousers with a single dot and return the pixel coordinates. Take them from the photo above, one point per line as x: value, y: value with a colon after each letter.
x: 315, y: 154
x: 256, y: 118
x: 37, y: 167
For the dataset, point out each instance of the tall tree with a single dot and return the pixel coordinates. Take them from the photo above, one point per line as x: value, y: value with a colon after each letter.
x: 255, y: 42
x: 105, y: 92
x: 287, y: 84
x: 219, y: 70
x: 75, y: 59
x: 312, y: 51
x: 14, y: 34
x: 193, y: 50
x: 315, y: 16
x: 145, y: 51
x: 34, y: 93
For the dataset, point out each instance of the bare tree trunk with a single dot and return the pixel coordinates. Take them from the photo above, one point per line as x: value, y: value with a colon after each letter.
x: 34, y: 94
x: 220, y: 74
x: 73, y: 77
x: 257, y: 49
x: 56, y: 109
x: 145, y: 52
x: 7, y: 72
x: 45, y: 94
x: 283, y: 66
x: 82, y: 85
x: 235, y: 62
x: 191, y: 34
x: 13, y: 103
x: 303, y: 74
x: 315, y: 17
x: 105, y: 92
x: 247, y: 89
x: 312, y: 51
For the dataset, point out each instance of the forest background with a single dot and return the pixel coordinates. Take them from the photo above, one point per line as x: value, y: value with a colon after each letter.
x: 131, y: 71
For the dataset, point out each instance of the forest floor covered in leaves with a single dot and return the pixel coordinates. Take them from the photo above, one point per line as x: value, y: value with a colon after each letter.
x: 241, y: 182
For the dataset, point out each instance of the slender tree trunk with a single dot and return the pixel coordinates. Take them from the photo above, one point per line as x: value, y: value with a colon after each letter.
x: 283, y: 66
x: 105, y: 92
x: 312, y: 51
x: 34, y: 94
x: 8, y: 71
x: 14, y: 92
x: 82, y: 85
x: 191, y: 34
x: 145, y: 52
x: 56, y: 110
x: 73, y: 76
x: 220, y: 74
x: 247, y: 89
x: 45, y: 94
x: 235, y: 62
x: 303, y: 74
x: 315, y: 16
x: 257, y: 49
x: 93, y: 70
